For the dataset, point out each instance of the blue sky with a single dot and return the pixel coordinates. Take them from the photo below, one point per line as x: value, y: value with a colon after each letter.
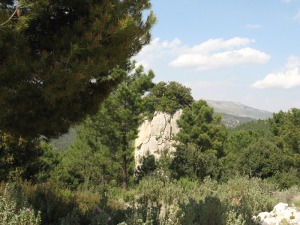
x: 246, y: 51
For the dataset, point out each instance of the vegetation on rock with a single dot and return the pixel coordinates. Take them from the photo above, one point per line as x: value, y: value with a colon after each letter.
x: 168, y: 97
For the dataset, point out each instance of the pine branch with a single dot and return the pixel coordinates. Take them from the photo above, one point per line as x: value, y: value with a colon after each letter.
x: 2, y: 24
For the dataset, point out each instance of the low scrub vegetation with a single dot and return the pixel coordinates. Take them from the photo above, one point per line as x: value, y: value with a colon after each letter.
x: 155, y: 200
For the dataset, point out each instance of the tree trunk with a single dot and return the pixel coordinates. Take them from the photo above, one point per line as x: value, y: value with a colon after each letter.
x: 124, y: 173
x: 87, y: 181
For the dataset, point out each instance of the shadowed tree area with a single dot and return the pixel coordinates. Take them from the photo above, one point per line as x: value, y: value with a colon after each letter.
x: 56, y: 59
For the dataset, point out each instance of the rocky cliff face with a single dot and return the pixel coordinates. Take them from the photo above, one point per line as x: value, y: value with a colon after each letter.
x: 156, y: 135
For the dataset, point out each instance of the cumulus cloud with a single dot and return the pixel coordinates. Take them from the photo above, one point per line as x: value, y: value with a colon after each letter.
x: 158, y: 50
x: 219, y: 53
x: 211, y: 54
x: 288, y: 78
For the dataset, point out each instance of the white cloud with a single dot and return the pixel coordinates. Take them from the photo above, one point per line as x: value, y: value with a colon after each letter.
x: 216, y: 44
x: 288, y: 78
x: 253, y: 26
x: 209, y: 85
x: 219, y: 53
x: 297, y: 17
x: 211, y: 54
x: 158, y: 50
x: 286, y: 1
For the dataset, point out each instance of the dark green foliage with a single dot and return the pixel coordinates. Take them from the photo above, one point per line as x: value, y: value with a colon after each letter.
x: 200, y: 142
x: 148, y: 165
x: 168, y: 97
x: 118, y: 120
x: 240, y: 140
x: 56, y: 60
x: 87, y: 162
x: 285, y: 126
x: 103, y: 151
x: 199, y: 126
x: 234, y: 147
x: 40, y: 170
x: 24, y: 159
x: 211, y: 212
x: 261, y: 127
x: 262, y: 159
x: 190, y: 162
x: 287, y: 179
x: 264, y: 149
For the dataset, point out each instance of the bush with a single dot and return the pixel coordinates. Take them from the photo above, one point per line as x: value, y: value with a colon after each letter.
x: 14, y: 210
x: 160, y: 201
x: 64, y: 207
x: 156, y: 200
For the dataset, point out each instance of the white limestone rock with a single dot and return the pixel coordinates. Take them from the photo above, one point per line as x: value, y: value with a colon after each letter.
x: 280, y: 213
x: 156, y: 135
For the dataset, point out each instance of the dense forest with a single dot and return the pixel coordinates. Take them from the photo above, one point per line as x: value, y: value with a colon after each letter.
x: 217, y: 175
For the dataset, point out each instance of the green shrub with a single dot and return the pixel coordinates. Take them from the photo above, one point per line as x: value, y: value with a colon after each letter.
x: 156, y: 200
x: 161, y: 201
x: 14, y: 210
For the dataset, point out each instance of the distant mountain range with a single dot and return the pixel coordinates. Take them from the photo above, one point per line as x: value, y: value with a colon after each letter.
x: 235, y: 113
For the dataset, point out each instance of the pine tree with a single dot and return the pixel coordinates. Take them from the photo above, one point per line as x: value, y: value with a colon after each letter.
x: 200, y: 142
x: 285, y: 126
x: 123, y: 113
x: 56, y: 59
x: 109, y: 135
x: 169, y: 97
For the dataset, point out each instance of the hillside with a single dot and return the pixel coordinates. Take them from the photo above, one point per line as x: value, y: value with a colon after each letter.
x: 232, y: 121
x: 238, y: 109
x: 235, y: 113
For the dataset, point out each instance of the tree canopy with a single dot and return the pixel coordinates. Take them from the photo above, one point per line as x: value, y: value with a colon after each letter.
x: 285, y: 126
x: 169, y: 97
x: 200, y: 142
x: 105, y: 140
x: 56, y: 59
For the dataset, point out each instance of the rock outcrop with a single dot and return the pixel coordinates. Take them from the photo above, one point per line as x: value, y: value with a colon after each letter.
x: 281, y: 214
x: 156, y: 135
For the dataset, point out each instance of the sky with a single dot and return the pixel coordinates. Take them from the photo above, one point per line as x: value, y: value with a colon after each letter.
x: 246, y: 51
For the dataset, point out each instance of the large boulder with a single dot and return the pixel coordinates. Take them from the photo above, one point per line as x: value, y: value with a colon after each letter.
x: 281, y: 214
x: 156, y: 136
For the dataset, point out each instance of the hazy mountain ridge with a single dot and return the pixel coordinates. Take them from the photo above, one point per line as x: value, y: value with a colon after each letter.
x: 232, y: 121
x: 238, y: 109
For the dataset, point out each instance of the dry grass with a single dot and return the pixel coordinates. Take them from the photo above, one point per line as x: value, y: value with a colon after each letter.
x: 296, y: 201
